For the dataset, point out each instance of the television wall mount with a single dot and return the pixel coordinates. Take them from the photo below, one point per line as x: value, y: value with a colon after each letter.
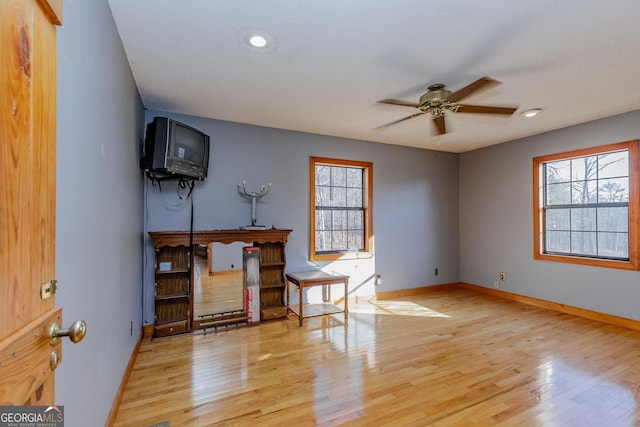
x: 254, y: 195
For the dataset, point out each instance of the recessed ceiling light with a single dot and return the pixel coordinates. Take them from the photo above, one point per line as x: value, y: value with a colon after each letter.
x: 532, y: 112
x: 258, y: 41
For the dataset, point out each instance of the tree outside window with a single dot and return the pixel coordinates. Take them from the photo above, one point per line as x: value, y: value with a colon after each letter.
x: 340, y: 208
x: 586, y: 206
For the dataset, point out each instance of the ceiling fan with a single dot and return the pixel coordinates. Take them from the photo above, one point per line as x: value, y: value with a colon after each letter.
x: 438, y: 100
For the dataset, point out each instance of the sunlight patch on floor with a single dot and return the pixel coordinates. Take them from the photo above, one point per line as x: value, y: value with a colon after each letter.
x: 397, y: 308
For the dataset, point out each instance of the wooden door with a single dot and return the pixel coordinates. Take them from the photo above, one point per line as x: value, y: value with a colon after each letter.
x: 27, y: 199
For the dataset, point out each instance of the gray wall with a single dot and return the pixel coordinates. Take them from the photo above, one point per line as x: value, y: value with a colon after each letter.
x: 496, y: 222
x: 99, y: 210
x: 415, y: 202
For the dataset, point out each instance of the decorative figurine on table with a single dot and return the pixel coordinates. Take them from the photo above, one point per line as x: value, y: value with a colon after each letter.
x: 242, y: 189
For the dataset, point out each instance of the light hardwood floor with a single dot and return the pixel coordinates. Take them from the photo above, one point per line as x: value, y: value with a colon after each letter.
x: 446, y: 358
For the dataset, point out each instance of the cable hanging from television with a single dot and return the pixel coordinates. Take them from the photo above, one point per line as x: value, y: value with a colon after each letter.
x: 182, y: 184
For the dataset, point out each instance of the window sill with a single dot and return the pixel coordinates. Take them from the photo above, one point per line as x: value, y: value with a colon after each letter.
x: 341, y: 256
x: 623, y: 265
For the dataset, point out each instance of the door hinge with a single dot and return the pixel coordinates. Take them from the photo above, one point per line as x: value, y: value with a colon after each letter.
x: 48, y: 289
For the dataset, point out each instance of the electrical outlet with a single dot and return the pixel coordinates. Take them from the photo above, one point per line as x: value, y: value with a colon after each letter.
x: 131, y: 328
x: 503, y: 277
x: 496, y: 284
x: 436, y: 271
x: 378, y: 280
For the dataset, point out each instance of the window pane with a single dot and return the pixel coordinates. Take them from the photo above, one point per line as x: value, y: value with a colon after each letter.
x: 323, y: 196
x: 583, y: 219
x: 354, y: 177
x: 356, y: 239
x: 558, y: 241
x: 583, y: 243
x: 323, y: 175
x: 559, y: 194
x: 354, y: 197
x: 356, y: 220
x: 339, y: 176
x: 339, y: 241
x: 339, y: 221
x: 338, y: 196
x: 323, y: 220
x: 559, y: 171
x: 613, y: 245
x: 612, y: 165
x: 584, y: 168
x: 613, y: 219
x: 323, y: 241
x: 613, y: 190
x: 558, y: 219
x: 584, y: 192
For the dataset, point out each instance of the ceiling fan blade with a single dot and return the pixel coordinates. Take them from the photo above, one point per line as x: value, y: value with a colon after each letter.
x: 439, y: 122
x: 481, y: 109
x: 471, y: 88
x: 401, y: 120
x: 399, y: 102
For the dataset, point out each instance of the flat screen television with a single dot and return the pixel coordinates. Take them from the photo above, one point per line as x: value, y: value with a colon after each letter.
x: 175, y: 150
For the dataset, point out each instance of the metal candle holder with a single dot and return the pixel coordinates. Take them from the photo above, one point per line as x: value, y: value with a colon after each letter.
x: 254, y: 195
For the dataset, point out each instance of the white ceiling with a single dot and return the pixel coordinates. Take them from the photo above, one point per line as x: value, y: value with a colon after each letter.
x: 578, y: 60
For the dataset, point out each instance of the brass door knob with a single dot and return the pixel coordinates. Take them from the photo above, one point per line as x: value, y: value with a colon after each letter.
x: 76, y: 332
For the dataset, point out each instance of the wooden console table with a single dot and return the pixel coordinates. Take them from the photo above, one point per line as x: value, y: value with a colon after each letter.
x: 307, y: 279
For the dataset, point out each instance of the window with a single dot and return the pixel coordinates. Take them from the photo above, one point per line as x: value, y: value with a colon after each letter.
x: 586, y: 206
x: 340, y: 206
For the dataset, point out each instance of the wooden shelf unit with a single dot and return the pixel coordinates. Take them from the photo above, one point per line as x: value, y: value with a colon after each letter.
x: 174, y: 291
x: 272, y: 285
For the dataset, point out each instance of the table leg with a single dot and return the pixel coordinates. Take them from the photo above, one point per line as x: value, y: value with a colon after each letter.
x: 300, y: 287
x: 288, y: 301
x: 346, y: 299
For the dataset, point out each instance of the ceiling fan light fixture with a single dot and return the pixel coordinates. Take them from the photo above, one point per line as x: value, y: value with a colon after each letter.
x: 531, y: 113
x: 436, y: 92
